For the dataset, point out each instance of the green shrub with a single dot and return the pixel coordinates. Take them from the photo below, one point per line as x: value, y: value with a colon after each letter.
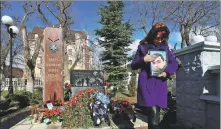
x: 169, y: 84
x: 119, y: 85
x: 4, y: 93
x: 37, y: 97
x: 26, y: 98
x: 38, y: 89
x: 23, y: 97
x: 132, y: 86
x: 4, y: 105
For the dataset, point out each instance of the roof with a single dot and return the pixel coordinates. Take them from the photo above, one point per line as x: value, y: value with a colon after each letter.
x: 36, y: 30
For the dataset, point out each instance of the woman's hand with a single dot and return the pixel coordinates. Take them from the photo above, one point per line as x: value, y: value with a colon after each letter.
x: 149, y: 58
x: 163, y: 74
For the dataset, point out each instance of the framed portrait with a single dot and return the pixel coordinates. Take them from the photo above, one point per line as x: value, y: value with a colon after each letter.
x: 160, y: 63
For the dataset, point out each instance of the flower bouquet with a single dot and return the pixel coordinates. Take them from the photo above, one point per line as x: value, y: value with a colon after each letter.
x: 67, y: 91
x: 41, y: 114
x: 52, y: 115
x: 99, y: 109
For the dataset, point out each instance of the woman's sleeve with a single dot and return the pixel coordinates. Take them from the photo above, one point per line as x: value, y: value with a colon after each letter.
x: 138, y: 60
x: 172, y: 64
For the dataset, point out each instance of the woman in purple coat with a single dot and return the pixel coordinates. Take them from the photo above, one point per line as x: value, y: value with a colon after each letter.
x: 152, y: 90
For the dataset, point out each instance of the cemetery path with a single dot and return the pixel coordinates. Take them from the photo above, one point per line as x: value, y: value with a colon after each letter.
x: 124, y: 124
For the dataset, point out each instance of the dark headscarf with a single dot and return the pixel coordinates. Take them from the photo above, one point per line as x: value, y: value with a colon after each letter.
x: 158, y: 28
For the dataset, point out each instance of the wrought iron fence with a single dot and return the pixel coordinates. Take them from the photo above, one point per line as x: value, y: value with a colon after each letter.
x: 19, y: 83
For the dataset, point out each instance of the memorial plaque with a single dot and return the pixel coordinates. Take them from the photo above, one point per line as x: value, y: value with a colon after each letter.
x: 82, y: 79
x: 53, y: 65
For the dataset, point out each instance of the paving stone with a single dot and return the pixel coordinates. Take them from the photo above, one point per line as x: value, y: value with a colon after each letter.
x: 56, y: 125
x: 141, y: 123
x: 39, y: 126
x: 22, y: 127
x: 136, y: 125
x: 25, y: 122
x: 142, y: 127
x: 121, y: 124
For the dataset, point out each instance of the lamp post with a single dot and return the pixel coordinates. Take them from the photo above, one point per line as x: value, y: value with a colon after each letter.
x: 13, y: 31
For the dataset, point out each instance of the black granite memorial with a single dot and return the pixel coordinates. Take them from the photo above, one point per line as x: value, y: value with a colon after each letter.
x: 83, y: 79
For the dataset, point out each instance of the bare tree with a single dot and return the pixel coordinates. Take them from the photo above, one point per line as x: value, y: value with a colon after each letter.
x: 182, y: 14
x: 192, y: 14
x: 151, y: 12
x: 208, y: 27
x: 30, y: 60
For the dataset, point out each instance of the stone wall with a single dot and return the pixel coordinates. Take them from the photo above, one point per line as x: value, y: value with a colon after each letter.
x: 193, y: 80
x: 213, y: 116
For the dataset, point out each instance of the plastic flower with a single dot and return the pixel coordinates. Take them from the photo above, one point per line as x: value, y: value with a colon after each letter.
x: 45, y: 114
x: 69, y: 87
x: 103, y: 98
x: 125, y: 102
x: 91, y: 90
x: 158, y: 25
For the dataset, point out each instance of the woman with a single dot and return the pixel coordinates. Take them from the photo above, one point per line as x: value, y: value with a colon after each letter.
x: 152, y: 91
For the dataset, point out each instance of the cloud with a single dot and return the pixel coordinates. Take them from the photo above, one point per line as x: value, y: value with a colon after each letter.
x: 133, y: 46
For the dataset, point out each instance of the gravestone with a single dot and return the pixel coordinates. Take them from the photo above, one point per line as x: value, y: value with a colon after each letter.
x: 83, y: 79
x: 53, y: 65
x: 196, y: 86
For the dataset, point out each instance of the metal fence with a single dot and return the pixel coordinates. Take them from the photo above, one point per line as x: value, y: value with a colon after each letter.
x: 19, y: 83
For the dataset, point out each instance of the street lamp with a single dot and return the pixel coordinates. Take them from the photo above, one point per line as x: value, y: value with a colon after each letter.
x: 13, y: 31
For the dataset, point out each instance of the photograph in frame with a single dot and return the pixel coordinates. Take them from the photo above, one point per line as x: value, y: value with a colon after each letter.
x: 159, y: 64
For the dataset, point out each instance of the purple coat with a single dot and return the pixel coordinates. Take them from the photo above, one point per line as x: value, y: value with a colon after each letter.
x: 152, y: 91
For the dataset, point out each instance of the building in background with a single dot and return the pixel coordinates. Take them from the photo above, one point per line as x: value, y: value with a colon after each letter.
x: 16, y: 72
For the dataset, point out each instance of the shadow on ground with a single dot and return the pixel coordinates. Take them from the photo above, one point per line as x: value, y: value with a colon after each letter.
x: 168, y: 114
x: 14, y: 118
x: 122, y: 122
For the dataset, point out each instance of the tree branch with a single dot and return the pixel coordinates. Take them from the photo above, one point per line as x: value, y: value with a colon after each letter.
x: 26, y: 44
x: 64, y: 13
x: 37, y: 49
x: 172, y: 13
x: 75, y: 62
x: 209, y: 27
x: 49, y: 9
x: 25, y: 17
x: 42, y: 14
x: 143, y: 24
x: 5, y: 51
x: 205, y: 12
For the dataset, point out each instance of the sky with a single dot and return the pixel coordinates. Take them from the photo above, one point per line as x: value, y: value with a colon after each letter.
x: 86, y: 18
